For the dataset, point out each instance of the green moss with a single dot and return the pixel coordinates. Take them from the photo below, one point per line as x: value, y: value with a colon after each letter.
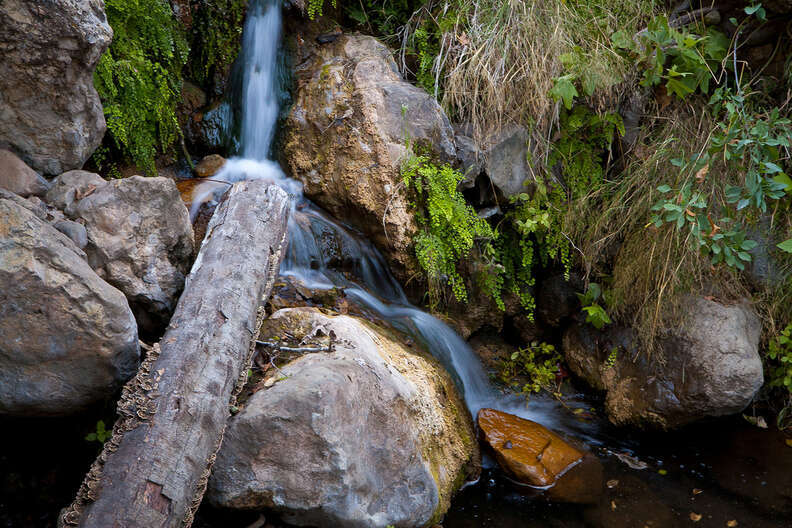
x: 139, y: 79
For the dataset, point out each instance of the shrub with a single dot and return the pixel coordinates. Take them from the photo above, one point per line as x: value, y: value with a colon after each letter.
x: 683, y: 61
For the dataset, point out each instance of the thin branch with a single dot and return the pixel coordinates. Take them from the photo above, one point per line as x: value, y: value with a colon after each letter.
x: 278, y: 346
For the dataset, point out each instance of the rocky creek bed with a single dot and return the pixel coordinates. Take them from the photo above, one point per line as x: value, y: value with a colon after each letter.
x: 299, y: 360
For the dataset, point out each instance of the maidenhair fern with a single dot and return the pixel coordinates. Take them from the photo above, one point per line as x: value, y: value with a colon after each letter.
x: 449, y: 226
x: 315, y: 7
x: 139, y: 78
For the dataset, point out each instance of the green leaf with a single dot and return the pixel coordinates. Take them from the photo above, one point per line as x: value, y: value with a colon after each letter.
x: 758, y: 9
x: 783, y: 179
x: 786, y: 245
x: 664, y: 188
x: 623, y: 39
x: 564, y: 89
x: 772, y: 168
x: 679, y: 88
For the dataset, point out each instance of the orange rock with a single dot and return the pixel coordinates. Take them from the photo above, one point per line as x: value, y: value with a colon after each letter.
x: 187, y: 189
x: 529, y: 452
x: 209, y: 166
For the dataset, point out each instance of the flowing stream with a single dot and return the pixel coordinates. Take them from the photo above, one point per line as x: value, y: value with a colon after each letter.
x: 647, y: 479
x: 375, y: 287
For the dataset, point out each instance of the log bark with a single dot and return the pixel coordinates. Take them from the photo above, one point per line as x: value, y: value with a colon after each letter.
x: 172, y: 415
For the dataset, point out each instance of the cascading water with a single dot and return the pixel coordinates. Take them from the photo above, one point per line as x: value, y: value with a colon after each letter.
x: 376, y: 288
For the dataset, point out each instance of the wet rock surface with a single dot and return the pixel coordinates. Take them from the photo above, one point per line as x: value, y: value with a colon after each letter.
x: 368, y: 434
x: 139, y: 237
x: 67, y: 338
x: 526, y: 450
x: 52, y: 117
x: 209, y: 166
x: 346, y: 135
x: 710, y: 366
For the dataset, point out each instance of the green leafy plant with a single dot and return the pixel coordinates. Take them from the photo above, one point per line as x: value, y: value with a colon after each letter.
x: 538, y: 362
x: 449, y: 227
x: 681, y: 60
x: 382, y: 17
x: 786, y: 245
x: 610, y: 362
x: 139, y: 78
x: 529, y: 235
x: 595, y: 313
x: 750, y: 141
x: 102, y: 434
x: 584, y: 140
x: 779, y: 351
x: 314, y: 8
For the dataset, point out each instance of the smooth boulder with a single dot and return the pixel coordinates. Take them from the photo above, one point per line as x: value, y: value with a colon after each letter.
x: 369, y: 434
x: 708, y: 366
x: 50, y: 112
x: 67, y: 338
x: 526, y: 450
x: 346, y: 137
x: 17, y: 177
x: 140, y: 238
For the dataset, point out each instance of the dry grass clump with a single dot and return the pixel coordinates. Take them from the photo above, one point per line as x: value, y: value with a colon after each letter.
x: 498, y: 63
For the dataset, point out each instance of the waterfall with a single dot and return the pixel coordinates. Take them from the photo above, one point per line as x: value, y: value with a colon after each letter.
x: 375, y: 287
x: 260, y: 41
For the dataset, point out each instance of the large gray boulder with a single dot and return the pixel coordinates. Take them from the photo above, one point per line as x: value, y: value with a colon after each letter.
x: 67, y: 338
x: 140, y: 238
x: 17, y: 177
x: 709, y: 366
x: 50, y: 113
x: 346, y: 135
x: 368, y: 435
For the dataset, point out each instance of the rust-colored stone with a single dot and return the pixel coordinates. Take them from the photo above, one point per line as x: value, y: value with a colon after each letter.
x: 529, y: 452
x: 209, y: 166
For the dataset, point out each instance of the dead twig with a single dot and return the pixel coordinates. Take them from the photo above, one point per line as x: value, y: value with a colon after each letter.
x: 301, y: 350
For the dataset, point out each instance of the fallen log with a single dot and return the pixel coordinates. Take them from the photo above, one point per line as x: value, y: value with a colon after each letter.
x: 172, y: 415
